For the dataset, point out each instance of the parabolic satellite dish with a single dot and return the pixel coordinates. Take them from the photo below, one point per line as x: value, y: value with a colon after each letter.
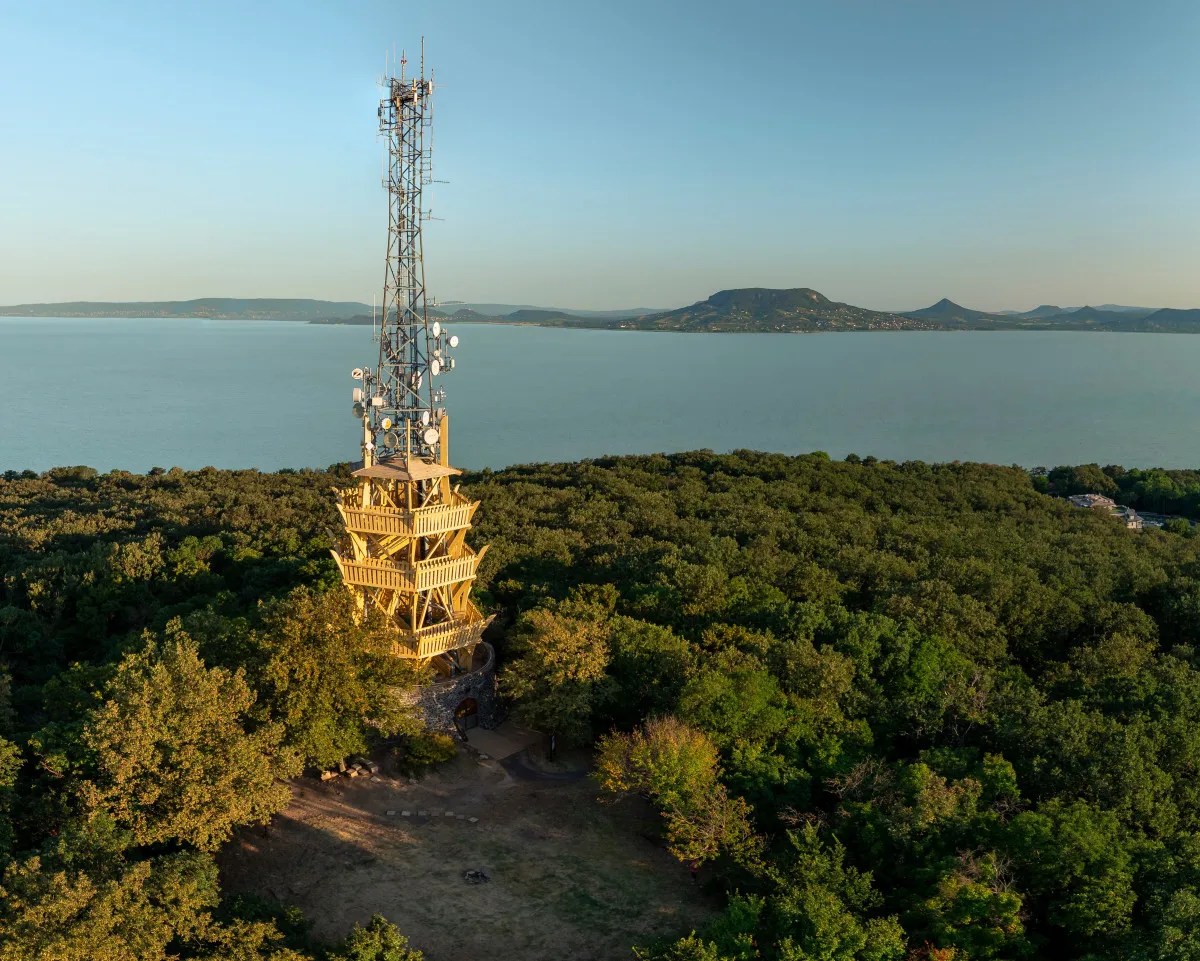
x: 435, y: 367
x: 430, y: 436
x: 437, y: 328
x: 454, y: 340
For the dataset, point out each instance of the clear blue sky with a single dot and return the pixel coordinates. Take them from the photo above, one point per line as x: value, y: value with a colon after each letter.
x: 609, y: 154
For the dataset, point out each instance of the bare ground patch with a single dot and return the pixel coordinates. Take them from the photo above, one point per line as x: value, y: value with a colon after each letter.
x: 570, y: 877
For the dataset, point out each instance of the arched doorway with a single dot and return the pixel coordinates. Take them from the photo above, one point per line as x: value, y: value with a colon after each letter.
x: 466, y: 715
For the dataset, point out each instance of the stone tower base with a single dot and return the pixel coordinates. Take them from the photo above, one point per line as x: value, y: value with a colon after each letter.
x: 438, y: 702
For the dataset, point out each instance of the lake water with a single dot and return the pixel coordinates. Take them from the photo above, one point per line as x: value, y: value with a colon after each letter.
x: 135, y: 394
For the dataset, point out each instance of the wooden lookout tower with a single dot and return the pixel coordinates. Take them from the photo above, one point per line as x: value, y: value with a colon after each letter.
x: 404, y: 551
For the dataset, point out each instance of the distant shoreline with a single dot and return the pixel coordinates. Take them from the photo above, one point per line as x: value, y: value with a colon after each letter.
x: 615, y: 328
x: 757, y: 310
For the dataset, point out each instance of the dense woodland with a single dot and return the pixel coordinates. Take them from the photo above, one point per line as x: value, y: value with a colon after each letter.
x: 895, y: 710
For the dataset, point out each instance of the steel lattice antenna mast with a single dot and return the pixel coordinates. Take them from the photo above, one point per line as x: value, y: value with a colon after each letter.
x: 404, y: 552
x: 401, y: 412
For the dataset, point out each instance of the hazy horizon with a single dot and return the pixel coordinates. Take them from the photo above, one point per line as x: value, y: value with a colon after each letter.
x: 486, y: 302
x: 627, y: 156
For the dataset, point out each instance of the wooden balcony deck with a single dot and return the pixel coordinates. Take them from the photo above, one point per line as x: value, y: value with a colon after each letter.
x: 441, y: 638
x: 398, y: 576
x: 422, y: 522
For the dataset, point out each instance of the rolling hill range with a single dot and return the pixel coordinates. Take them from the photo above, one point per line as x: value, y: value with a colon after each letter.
x: 745, y: 310
x: 804, y: 310
x: 215, y: 308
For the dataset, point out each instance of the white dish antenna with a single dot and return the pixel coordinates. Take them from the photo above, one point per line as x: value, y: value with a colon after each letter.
x: 356, y: 374
x: 435, y: 367
x: 454, y: 340
x: 356, y: 395
x: 437, y: 328
x: 387, y: 423
x: 424, y: 418
x: 431, y: 436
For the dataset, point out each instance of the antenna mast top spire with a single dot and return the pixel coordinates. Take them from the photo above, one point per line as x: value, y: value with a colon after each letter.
x: 404, y: 390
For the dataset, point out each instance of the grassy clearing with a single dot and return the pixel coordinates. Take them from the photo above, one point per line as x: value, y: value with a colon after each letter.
x: 570, y: 877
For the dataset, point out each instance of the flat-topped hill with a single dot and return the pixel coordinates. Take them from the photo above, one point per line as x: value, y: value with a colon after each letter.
x: 799, y: 309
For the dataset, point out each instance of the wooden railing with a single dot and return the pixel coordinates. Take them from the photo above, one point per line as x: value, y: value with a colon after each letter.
x: 385, y: 574
x: 422, y: 522
x: 441, y: 518
x: 432, y: 641
x: 400, y: 576
x: 441, y: 571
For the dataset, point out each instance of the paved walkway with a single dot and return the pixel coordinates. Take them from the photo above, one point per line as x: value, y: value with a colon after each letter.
x: 520, y: 765
x: 508, y: 739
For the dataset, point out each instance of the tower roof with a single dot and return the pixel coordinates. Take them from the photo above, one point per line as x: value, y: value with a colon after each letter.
x: 400, y: 468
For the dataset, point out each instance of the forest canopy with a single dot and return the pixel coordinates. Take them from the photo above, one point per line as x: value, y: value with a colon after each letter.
x: 901, y: 709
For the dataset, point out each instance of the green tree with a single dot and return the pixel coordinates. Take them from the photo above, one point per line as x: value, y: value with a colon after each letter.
x: 820, y: 909
x: 1075, y: 857
x: 1085, y: 479
x: 333, y: 683
x: 558, y: 675
x: 664, y: 758
x: 117, y: 911
x: 177, y: 755
x: 378, y: 941
x: 1180, y: 526
x: 690, y: 948
x: 734, y: 698
x: 974, y: 911
x: 10, y: 767
x: 677, y: 766
x: 650, y: 665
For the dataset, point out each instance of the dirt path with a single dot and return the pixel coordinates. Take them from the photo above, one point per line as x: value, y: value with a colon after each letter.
x: 571, y: 878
